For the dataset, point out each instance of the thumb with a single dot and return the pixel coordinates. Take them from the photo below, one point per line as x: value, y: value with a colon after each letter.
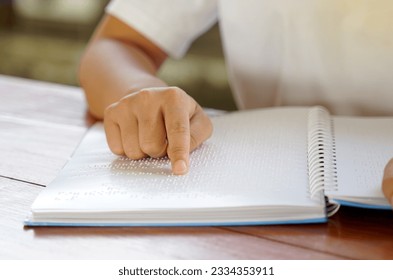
x: 201, y: 128
x: 387, y: 183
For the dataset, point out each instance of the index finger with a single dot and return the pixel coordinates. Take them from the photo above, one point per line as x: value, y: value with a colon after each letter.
x: 177, y: 124
x: 387, y: 183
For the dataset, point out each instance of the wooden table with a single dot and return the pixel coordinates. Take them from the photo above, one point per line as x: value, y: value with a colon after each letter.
x: 41, y: 124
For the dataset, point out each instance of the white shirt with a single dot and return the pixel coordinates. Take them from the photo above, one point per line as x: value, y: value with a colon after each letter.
x: 335, y: 53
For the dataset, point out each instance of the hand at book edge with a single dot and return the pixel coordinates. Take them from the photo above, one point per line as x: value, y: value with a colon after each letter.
x: 387, y: 182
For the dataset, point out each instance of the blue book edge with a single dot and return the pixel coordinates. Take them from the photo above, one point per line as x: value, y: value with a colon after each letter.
x: 96, y: 224
x: 363, y: 205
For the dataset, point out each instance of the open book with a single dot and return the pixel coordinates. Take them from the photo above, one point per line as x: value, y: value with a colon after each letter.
x: 267, y: 166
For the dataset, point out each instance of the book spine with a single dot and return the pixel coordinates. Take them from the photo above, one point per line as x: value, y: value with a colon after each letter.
x: 321, y: 155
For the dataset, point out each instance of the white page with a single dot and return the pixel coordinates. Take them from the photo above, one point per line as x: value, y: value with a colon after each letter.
x: 363, y: 147
x: 253, y: 158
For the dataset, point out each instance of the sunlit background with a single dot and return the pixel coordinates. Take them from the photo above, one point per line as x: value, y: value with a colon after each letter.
x: 44, y: 40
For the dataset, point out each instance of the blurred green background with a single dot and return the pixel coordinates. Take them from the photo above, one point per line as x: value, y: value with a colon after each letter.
x: 44, y: 40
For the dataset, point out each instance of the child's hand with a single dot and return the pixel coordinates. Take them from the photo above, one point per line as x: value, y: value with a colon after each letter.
x: 156, y: 122
x: 387, y: 183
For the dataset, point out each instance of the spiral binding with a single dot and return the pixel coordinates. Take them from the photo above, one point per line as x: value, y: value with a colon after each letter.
x: 322, y: 167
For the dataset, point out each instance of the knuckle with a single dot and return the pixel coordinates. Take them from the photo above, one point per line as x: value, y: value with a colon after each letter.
x: 152, y: 148
x: 174, y: 94
x: 123, y: 106
x: 145, y: 96
x: 118, y: 111
x: 134, y: 153
x: 177, y: 151
x: 179, y: 128
x: 146, y: 121
x: 109, y: 111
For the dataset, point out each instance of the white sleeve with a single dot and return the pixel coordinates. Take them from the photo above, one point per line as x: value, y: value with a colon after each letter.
x: 171, y: 24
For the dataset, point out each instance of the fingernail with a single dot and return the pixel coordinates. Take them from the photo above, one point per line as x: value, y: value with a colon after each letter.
x: 180, y: 167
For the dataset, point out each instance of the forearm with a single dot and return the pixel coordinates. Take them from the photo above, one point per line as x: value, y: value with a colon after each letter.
x: 111, y: 69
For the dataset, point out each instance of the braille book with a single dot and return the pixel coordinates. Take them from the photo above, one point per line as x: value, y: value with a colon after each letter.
x: 266, y: 166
